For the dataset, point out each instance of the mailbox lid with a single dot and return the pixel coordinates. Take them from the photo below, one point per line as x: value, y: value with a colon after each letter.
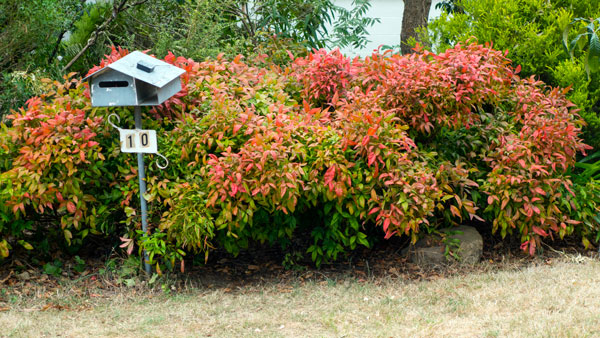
x: 162, y: 73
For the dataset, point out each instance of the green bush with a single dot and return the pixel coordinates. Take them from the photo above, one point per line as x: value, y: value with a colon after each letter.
x: 18, y: 86
x: 532, y: 33
x: 30, y: 31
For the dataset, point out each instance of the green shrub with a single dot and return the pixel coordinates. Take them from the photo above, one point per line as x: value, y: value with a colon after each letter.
x: 17, y: 87
x: 30, y: 31
x: 532, y: 33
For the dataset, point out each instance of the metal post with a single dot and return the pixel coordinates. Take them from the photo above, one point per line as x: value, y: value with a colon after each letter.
x: 142, y: 179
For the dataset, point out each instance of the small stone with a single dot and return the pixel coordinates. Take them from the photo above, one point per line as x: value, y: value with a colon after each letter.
x: 24, y: 275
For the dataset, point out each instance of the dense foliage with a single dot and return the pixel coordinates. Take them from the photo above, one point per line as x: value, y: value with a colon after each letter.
x: 30, y: 35
x: 318, y: 157
x: 43, y: 38
x: 532, y: 32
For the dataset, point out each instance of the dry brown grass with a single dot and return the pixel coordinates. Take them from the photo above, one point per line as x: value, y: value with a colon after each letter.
x: 560, y: 299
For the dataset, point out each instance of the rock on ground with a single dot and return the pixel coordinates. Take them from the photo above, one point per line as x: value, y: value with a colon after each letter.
x: 429, y: 251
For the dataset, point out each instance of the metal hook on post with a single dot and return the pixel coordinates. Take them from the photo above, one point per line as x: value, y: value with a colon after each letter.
x: 111, y: 123
x: 165, y: 159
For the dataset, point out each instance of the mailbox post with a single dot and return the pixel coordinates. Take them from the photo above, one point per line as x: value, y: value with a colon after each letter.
x: 136, y: 80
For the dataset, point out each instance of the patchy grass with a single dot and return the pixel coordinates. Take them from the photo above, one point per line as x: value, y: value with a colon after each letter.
x: 551, y: 297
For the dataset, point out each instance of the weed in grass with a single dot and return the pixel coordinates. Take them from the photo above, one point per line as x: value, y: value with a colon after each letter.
x: 53, y: 268
x: 79, y: 264
x: 492, y: 333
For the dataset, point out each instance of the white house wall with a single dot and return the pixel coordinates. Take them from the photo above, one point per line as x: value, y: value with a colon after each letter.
x: 387, y: 31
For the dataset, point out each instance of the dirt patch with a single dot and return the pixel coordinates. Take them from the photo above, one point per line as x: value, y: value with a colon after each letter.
x: 35, y: 285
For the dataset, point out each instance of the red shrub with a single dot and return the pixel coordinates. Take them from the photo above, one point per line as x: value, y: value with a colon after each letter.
x: 428, y: 91
x: 57, y: 160
x: 359, y: 143
x: 528, y: 177
x: 325, y: 74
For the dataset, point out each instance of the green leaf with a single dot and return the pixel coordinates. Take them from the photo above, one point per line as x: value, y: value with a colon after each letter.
x: 575, y: 41
x: 68, y: 236
x: 594, y: 53
x: 4, y: 248
x: 153, y: 278
x: 25, y: 245
x: 129, y: 211
x: 148, y: 196
x: 566, y: 38
x: 590, y: 157
x: 590, y: 27
x: 586, y: 63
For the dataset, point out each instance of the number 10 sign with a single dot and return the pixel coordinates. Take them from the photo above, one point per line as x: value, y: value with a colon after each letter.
x: 138, y: 141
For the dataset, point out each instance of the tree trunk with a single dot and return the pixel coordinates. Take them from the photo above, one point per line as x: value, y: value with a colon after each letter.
x: 416, y: 14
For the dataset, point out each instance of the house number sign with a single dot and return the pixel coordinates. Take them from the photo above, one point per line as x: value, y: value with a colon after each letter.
x: 138, y: 140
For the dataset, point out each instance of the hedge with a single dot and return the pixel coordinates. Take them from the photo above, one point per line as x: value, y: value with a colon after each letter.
x: 318, y: 157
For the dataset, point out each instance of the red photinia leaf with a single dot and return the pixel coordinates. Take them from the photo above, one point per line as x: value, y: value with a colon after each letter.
x: 386, y: 224
x: 531, y: 247
x: 212, y: 199
x: 71, y: 207
x: 524, y: 245
x: 329, y: 175
x: 454, y: 210
x: 389, y: 234
x: 374, y: 210
x: 371, y: 159
x: 539, y: 231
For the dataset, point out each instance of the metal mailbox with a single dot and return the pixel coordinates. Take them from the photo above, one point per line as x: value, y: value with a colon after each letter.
x: 134, y: 80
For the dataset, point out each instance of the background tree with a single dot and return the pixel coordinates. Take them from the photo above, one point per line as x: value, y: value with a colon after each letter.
x: 416, y: 14
x: 47, y: 38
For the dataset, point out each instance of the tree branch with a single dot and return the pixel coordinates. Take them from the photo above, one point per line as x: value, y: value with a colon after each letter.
x: 119, y: 7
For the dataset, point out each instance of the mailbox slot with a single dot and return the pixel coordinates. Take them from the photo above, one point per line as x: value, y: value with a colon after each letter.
x: 113, y: 84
